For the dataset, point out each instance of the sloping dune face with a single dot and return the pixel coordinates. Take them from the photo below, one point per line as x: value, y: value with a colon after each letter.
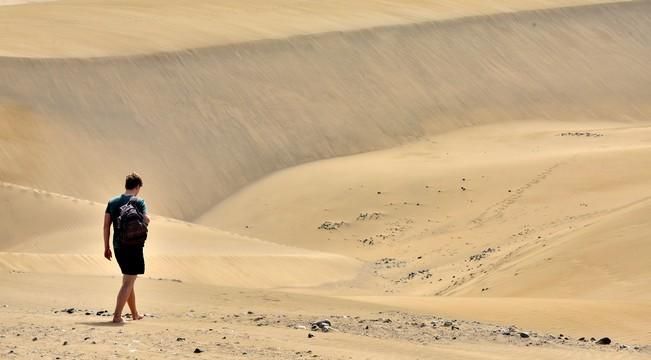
x: 544, y: 224
x: 528, y: 210
x: 204, y: 123
x: 48, y: 233
x: 420, y: 160
x: 93, y: 28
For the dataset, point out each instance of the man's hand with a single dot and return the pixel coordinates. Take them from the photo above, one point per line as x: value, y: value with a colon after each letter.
x: 107, y: 234
x: 108, y: 254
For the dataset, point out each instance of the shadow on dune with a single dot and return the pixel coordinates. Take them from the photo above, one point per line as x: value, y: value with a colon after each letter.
x: 204, y: 123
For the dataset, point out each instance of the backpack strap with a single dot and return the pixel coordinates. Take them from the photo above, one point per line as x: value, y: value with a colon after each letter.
x: 133, y: 200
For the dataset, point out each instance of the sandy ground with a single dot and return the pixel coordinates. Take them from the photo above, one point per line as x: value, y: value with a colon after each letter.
x: 458, y: 179
x: 250, y: 109
x: 578, y: 278
x: 97, y: 28
x: 237, y: 323
x: 528, y: 233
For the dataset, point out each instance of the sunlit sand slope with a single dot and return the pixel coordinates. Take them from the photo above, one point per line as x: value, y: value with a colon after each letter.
x: 538, y: 209
x: 540, y: 224
x: 73, y: 28
x: 45, y: 233
x: 201, y: 124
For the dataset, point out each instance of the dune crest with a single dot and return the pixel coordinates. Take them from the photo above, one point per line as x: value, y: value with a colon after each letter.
x: 236, y: 113
x: 464, y: 179
x: 108, y: 28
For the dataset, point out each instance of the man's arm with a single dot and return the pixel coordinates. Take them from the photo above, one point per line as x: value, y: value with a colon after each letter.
x: 143, y: 208
x: 107, y: 234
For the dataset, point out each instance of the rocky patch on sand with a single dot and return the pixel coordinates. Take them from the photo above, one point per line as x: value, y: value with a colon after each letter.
x: 482, y: 254
x: 369, y: 216
x: 329, y: 225
x: 581, y: 133
x: 424, y: 329
x: 423, y: 274
x: 389, y: 263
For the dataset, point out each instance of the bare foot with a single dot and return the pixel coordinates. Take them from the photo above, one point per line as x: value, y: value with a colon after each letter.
x: 118, y: 320
x: 137, y: 317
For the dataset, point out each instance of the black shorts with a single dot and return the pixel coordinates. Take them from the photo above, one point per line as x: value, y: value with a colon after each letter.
x: 131, y: 260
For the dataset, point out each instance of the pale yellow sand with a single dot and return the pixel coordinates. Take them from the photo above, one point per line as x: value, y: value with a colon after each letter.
x: 73, y: 28
x: 478, y: 194
x: 248, y: 110
x: 206, y: 318
x: 566, y: 215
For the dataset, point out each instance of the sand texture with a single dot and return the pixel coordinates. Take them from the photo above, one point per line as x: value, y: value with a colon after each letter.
x: 439, y: 179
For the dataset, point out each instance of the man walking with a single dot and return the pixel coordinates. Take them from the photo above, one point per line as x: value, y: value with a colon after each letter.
x: 128, y: 254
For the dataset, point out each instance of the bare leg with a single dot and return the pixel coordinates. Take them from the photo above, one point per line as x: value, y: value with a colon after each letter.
x: 132, y: 304
x: 123, y: 296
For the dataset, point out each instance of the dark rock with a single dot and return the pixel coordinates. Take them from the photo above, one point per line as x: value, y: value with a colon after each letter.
x: 447, y: 323
x: 70, y: 311
x: 197, y: 351
x: 65, y: 343
x: 593, y: 339
x: 180, y: 339
x: 250, y: 312
x: 524, y: 335
x: 582, y: 339
x: 323, y: 325
x: 86, y: 338
x: 603, y: 341
x: 310, y: 335
x: 34, y: 339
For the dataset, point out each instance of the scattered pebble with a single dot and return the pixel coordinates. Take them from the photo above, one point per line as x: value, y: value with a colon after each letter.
x: 604, y: 341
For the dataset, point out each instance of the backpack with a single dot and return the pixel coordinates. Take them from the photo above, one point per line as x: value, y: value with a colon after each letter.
x: 131, y: 227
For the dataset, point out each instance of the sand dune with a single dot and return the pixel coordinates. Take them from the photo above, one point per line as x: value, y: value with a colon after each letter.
x: 103, y: 28
x: 66, y: 239
x: 250, y: 109
x: 437, y: 178
x: 551, y: 226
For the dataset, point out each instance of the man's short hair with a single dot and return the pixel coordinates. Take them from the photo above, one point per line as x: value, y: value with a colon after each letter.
x: 133, y: 181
